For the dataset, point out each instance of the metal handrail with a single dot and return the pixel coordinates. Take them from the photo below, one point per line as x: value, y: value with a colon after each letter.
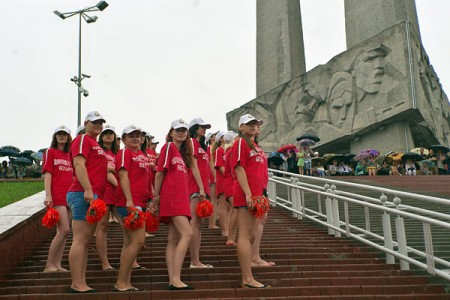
x: 328, y: 193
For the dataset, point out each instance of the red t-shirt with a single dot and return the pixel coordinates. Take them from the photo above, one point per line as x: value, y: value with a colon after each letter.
x: 110, y: 196
x: 203, y: 167
x: 96, y: 164
x: 219, y: 161
x: 228, y: 177
x: 151, y: 154
x: 137, y: 166
x: 58, y: 163
x: 211, y: 175
x: 255, y: 168
x: 174, y: 194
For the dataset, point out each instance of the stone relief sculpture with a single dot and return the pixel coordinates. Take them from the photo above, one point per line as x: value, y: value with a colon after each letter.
x: 364, y: 86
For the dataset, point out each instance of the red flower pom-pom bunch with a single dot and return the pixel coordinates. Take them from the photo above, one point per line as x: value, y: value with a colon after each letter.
x: 96, y: 211
x: 260, y: 206
x: 151, y: 222
x: 135, y: 219
x: 204, y: 209
x: 50, y: 218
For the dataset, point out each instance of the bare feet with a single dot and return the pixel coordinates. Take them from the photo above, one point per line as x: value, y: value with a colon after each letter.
x: 61, y: 269
x: 50, y: 269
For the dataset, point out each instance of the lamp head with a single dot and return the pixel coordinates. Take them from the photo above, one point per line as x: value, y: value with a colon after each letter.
x: 90, y: 19
x: 102, y: 5
x: 59, y: 14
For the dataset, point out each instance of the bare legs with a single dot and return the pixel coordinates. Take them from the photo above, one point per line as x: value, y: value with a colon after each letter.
x: 232, y: 224
x: 247, y: 226
x: 135, y: 240
x: 215, y: 202
x: 100, y: 239
x: 224, y: 214
x: 78, y: 254
x: 196, y: 225
x: 180, y: 235
x: 257, y: 261
x: 56, y: 251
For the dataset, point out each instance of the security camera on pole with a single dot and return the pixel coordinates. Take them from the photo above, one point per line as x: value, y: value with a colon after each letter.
x: 89, y: 19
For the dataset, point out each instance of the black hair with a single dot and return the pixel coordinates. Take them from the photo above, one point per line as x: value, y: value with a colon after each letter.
x: 114, y: 145
x: 193, y: 135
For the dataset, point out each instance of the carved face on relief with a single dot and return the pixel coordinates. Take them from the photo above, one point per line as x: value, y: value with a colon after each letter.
x: 340, y: 97
x: 369, y: 69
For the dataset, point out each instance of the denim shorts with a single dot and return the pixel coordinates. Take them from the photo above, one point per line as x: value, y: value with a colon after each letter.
x: 78, y: 206
x: 123, y: 211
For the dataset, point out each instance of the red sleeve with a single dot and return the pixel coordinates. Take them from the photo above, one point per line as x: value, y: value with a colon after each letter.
x: 80, y: 146
x: 47, y: 161
x: 164, y: 157
x: 123, y: 160
x: 219, y: 162
x: 239, y: 154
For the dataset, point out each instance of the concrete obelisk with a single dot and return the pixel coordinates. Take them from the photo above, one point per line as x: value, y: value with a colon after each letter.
x: 280, y: 54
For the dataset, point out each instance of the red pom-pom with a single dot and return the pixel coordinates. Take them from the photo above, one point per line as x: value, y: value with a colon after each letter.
x: 50, y: 218
x: 135, y: 219
x: 96, y: 211
x: 260, y: 206
x: 204, y: 209
x: 151, y: 223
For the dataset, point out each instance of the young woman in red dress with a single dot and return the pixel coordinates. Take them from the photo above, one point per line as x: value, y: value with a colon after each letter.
x: 210, y: 138
x: 57, y: 167
x: 172, y: 196
x: 198, y: 182
x: 108, y: 141
x: 248, y: 163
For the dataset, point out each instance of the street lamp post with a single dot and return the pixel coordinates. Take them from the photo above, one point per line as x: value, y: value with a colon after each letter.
x: 89, y: 19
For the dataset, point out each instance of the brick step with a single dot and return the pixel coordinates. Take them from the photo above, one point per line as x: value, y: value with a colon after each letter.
x: 236, y: 292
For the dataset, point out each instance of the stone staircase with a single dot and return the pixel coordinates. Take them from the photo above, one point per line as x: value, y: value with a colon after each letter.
x: 309, y: 265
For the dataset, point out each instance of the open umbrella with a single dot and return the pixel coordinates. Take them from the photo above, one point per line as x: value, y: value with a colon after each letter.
x: 338, y: 157
x: 396, y: 156
x: 309, y: 136
x: 428, y: 163
x: 316, y: 160
x: 417, y: 150
x: 21, y: 161
x: 26, y: 153
x: 286, y: 148
x: 275, y: 158
x: 307, y: 142
x: 412, y: 156
x: 37, y: 156
x: 10, y: 151
x: 366, y: 154
x: 42, y: 150
x: 440, y: 148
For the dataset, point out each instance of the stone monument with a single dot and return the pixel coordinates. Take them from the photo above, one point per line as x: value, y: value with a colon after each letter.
x: 381, y: 92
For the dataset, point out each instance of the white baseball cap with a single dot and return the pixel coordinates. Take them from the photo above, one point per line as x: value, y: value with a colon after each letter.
x: 199, y: 121
x: 94, y: 116
x: 219, y: 135
x: 209, y: 135
x: 229, y: 136
x: 179, y: 123
x: 79, y: 129
x: 154, y: 142
x: 110, y: 128
x: 130, y: 129
x: 62, y: 128
x: 248, y: 118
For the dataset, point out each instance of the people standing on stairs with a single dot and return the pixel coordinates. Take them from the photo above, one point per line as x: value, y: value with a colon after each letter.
x: 219, y: 165
x: 90, y: 166
x: 108, y: 142
x: 210, y: 139
x: 228, y: 183
x: 249, y: 164
x: 172, y: 197
x: 58, y: 176
x: 198, y: 183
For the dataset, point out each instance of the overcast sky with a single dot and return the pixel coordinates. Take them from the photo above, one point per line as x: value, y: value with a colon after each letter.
x: 153, y: 61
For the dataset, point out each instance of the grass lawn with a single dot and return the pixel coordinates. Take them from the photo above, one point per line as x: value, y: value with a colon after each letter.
x: 11, y: 192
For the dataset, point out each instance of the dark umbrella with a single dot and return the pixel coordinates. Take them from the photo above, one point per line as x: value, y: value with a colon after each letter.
x: 316, y: 160
x: 338, y: 157
x: 26, y: 153
x: 275, y: 158
x: 42, y: 150
x: 412, y: 156
x: 10, y: 151
x: 309, y: 136
x: 440, y: 148
x: 307, y: 142
x: 22, y: 161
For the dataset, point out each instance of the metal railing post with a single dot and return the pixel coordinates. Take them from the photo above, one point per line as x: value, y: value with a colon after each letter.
x: 328, y: 208
x: 293, y: 193
x: 429, y: 248
x: 272, y: 191
x: 335, y: 207
x: 401, y: 236
x: 387, y: 232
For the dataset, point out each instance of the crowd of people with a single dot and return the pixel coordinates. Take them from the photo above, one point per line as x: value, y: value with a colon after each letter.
x: 304, y: 161
x: 125, y: 172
